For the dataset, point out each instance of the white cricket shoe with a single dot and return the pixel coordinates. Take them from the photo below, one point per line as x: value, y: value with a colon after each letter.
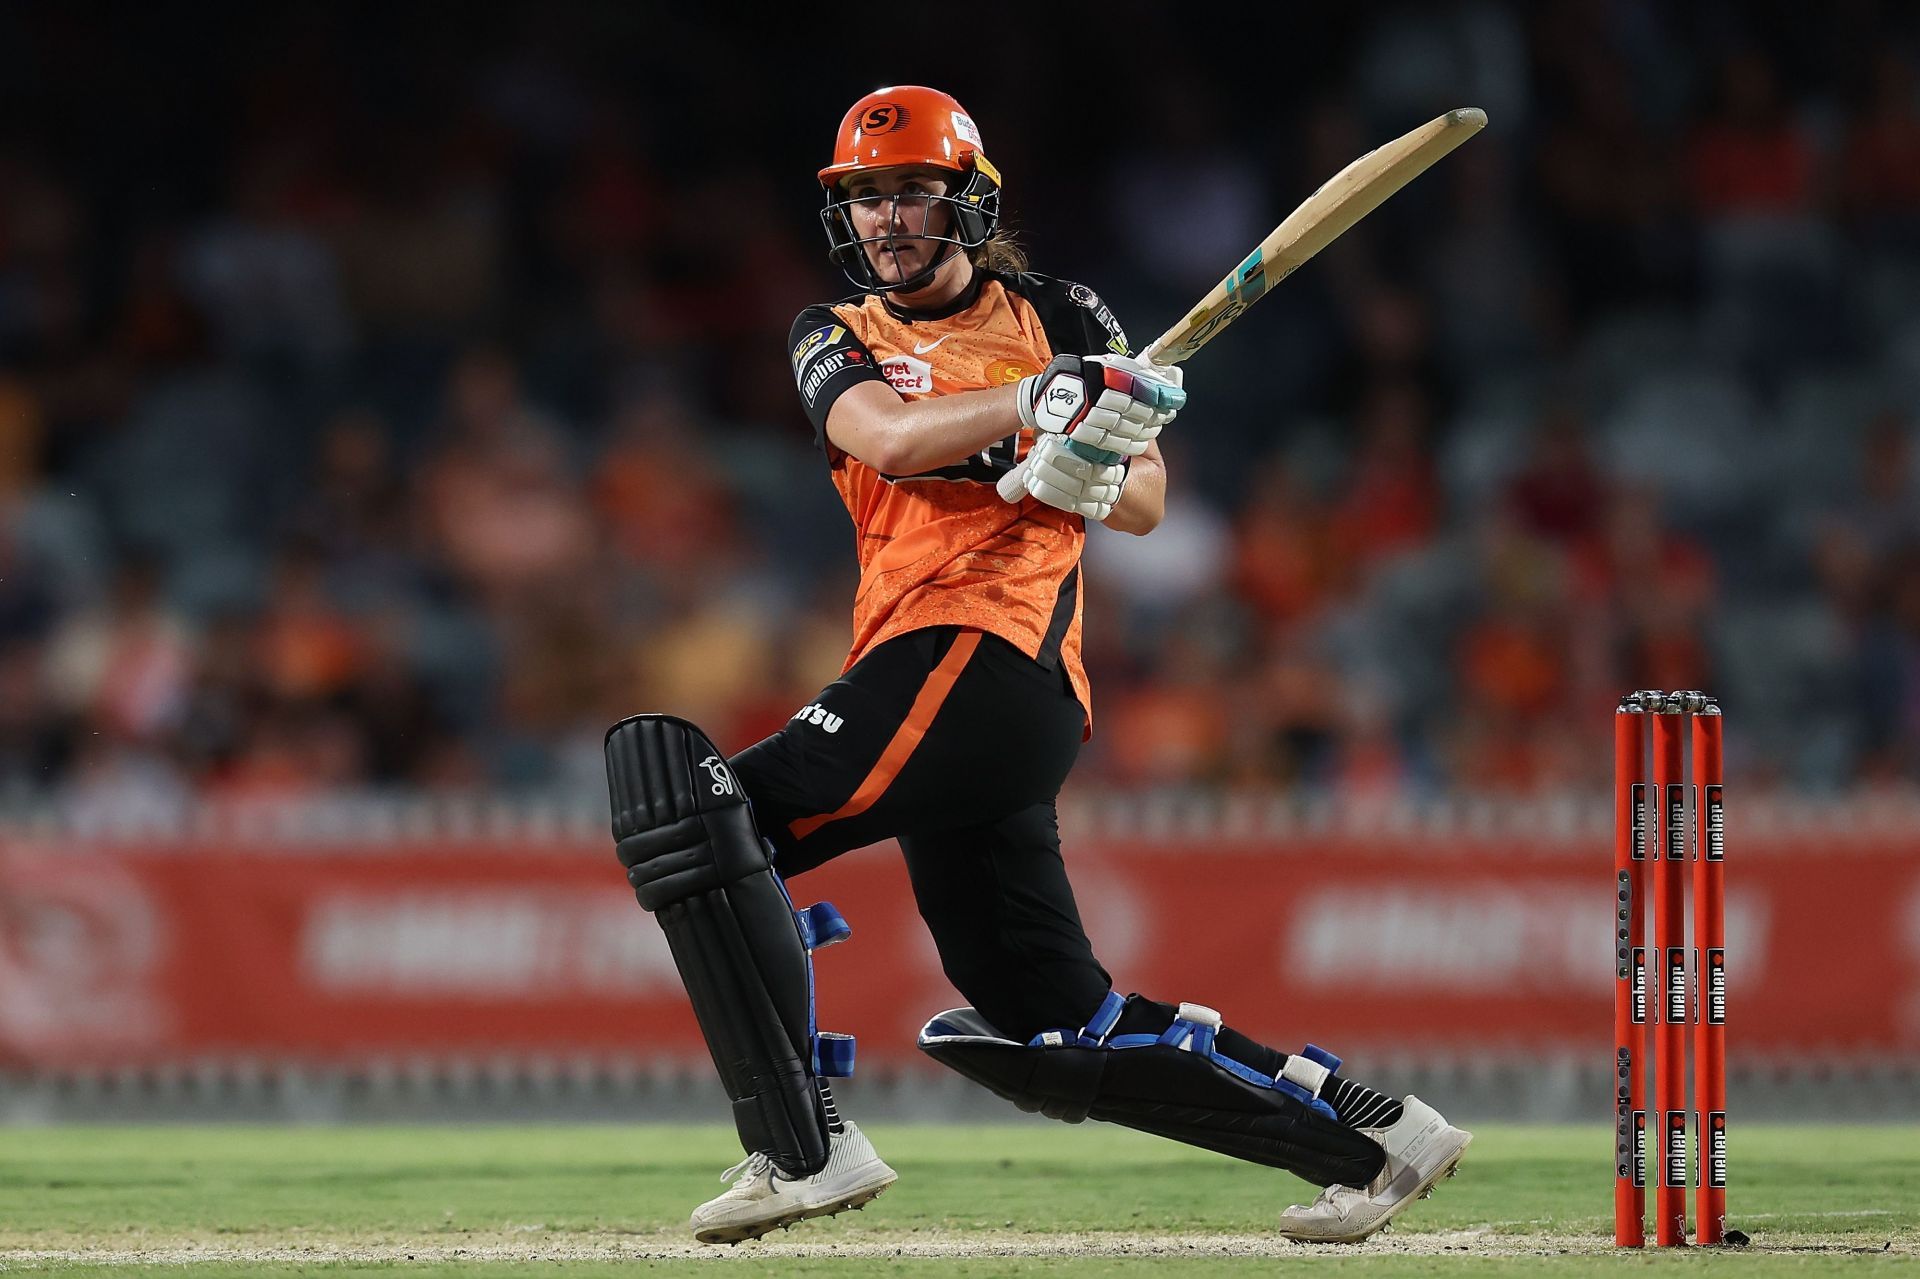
x: 1421, y: 1149
x: 765, y: 1199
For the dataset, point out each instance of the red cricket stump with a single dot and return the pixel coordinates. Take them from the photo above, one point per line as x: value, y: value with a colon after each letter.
x: 1629, y: 974
x: 1669, y: 942
x: 1710, y: 970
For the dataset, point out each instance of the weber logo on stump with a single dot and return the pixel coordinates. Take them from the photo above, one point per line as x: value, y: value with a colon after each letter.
x: 1676, y: 985
x: 1673, y: 1171
x: 1716, y: 1150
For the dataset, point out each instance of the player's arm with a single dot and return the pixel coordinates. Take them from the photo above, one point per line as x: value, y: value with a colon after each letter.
x: 1143, y: 498
x: 855, y: 411
x: 871, y: 422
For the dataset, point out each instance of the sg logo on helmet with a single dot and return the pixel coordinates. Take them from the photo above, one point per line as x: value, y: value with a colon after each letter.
x: 885, y: 118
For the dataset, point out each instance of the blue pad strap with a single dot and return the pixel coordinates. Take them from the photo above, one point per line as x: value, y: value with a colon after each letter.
x: 832, y: 1055
x: 1194, y: 1037
x: 1104, y: 1019
x: 821, y: 926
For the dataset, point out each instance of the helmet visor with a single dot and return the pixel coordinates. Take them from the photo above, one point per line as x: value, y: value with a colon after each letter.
x: 898, y: 222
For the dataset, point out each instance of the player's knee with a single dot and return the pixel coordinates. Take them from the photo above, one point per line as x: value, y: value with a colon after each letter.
x: 1019, y: 1006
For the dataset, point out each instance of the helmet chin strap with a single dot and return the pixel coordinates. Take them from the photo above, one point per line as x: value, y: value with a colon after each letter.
x: 924, y: 276
x: 921, y: 278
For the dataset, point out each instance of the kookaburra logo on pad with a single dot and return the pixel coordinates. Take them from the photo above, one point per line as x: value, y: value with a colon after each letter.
x: 722, y: 778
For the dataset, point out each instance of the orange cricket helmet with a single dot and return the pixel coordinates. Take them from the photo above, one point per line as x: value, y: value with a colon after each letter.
x: 909, y: 125
x: 906, y: 124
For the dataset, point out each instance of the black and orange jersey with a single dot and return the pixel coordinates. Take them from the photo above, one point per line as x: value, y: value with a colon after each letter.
x: 941, y: 548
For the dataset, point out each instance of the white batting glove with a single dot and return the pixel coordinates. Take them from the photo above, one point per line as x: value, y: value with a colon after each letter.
x: 1108, y: 402
x: 1053, y: 473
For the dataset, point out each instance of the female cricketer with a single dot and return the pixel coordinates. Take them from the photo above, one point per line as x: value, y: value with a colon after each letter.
x: 953, y: 725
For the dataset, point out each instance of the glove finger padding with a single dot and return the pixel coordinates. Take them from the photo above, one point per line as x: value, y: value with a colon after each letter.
x: 1119, y: 424
x: 1061, y: 479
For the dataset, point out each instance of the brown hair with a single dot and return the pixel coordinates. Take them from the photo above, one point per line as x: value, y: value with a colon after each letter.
x: 1000, y: 253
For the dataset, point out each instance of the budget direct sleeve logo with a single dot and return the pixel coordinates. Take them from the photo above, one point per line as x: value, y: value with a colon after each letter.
x: 81, y: 945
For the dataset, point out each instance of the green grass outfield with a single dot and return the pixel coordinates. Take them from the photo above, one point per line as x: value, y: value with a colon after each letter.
x: 1024, y: 1199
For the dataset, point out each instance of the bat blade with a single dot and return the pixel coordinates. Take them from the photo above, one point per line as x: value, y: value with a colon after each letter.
x: 1322, y: 217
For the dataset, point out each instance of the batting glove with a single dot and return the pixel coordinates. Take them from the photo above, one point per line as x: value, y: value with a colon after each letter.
x: 1053, y: 473
x: 1105, y: 402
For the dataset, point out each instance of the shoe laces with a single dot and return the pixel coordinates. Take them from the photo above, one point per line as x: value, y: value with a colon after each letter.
x: 752, y: 1166
x: 1343, y: 1197
x: 1330, y: 1196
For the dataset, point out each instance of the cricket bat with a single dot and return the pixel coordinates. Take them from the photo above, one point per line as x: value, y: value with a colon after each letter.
x: 1322, y: 217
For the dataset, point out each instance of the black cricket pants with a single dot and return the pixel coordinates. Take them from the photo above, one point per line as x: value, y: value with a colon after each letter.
x: 955, y: 743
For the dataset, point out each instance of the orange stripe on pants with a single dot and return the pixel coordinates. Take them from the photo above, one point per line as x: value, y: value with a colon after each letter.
x: 906, y: 738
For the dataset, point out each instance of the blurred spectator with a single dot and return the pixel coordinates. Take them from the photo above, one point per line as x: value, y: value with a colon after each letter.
x: 1159, y: 579
x: 357, y: 518
x: 268, y: 284
x: 1283, y: 548
x: 1880, y: 167
x: 420, y: 247
x: 1186, y: 201
x: 667, y: 506
x: 1175, y: 727
x: 1496, y: 296
x: 125, y: 669
x: 1560, y: 494
x: 1612, y: 191
x: 1391, y: 503
x: 502, y: 503
x: 1749, y: 157
x: 306, y: 649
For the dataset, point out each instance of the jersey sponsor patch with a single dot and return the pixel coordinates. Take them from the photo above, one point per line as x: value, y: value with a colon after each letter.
x: 1117, y: 337
x: 822, y: 373
x: 812, y: 344
x: 906, y: 374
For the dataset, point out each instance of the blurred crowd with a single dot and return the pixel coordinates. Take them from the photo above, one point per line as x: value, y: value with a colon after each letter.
x: 376, y: 421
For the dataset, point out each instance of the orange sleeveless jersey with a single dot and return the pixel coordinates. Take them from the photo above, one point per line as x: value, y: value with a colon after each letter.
x: 941, y: 548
